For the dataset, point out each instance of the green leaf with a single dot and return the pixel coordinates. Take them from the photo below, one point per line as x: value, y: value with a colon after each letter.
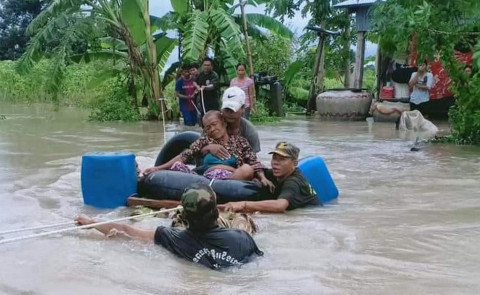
x: 164, y: 46
x: 292, y: 71
x: 169, y: 74
x: 195, y: 37
x: 228, y: 29
x: 167, y: 22
x: 110, y: 42
x: 104, y: 54
x: 102, y: 76
x: 54, y: 9
x: 132, y: 15
x: 180, y: 6
x: 269, y: 23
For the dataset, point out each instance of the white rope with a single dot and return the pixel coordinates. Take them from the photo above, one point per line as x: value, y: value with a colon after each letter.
x: 203, y: 102
x: 35, y: 228
x: 84, y: 226
x: 198, y: 111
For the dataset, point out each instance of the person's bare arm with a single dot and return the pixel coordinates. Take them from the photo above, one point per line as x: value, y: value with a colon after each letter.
x: 165, y: 166
x: 267, y: 206
x: 217, y: 150
x: 181, y: 96
x: 106, y: 229
x: 413, y: 81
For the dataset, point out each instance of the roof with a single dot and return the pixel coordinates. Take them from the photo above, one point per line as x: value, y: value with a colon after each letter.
x: 355, y: 3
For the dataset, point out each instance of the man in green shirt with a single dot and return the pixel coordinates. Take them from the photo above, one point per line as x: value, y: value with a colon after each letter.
x: 291, y: 190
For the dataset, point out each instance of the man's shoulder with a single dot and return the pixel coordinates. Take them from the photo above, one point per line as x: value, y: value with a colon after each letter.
x: 247, y: 124
x: 297, y: 177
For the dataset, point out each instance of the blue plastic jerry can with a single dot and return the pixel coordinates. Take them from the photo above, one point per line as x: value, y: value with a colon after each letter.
x: 108, y: 179
x: 316, y: 172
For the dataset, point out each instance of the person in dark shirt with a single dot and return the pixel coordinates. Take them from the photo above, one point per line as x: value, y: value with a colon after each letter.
x: 207, y: 81
x: 202, y: 242
x: 291, y: 189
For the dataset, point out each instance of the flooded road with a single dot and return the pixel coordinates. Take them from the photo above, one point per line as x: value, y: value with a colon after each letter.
x: 405, y: 222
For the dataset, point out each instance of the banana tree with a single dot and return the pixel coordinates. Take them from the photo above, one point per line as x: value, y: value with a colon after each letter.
x: 213, y: 27
x: 129, y: 20
x: 116, y: 50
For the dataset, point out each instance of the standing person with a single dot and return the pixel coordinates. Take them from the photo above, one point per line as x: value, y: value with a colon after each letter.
x: 421, y: 82
x: 194, y: 71
x: 207, y: 81
x: 247, y: 85
x: 291, y: 189
x: 202, y: 242
x: 185, y: 91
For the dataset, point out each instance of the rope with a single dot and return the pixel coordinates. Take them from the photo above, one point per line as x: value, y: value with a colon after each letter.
x: 34, y: 228
x: 86, y: 226
x: 198, y: 111
x: 203, y: 102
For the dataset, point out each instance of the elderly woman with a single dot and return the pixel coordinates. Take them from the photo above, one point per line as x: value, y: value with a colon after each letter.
x: 242, y: 165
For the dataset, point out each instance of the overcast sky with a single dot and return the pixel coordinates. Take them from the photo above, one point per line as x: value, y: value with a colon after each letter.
x: 296, y: 24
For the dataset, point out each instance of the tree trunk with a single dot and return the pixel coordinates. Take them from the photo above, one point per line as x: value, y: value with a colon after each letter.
x: 132, y: 90
x: 346, y: 82
x: 359, y: 57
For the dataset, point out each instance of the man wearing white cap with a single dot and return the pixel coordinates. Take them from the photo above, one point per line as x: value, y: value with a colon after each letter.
x: 233, y: 106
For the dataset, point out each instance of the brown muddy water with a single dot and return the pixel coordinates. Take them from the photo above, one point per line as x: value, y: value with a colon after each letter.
x: 405, y: 222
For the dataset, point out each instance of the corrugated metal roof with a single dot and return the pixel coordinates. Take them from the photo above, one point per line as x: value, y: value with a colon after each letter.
x: 355, y: 3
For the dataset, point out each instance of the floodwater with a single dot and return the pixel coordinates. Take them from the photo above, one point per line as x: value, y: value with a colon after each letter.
x: 405, y: 222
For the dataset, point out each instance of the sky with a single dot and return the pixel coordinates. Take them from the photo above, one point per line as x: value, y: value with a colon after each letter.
x: 295, y: 24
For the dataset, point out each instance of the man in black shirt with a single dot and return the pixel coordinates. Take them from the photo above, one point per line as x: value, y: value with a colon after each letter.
x: 208, y: 82
x: 203, y: 241
x: 291, y: 190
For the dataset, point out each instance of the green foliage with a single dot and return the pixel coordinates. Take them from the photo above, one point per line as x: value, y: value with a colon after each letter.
x: 212, y: 27
x: 132, y: 14
x: 465, y: 115
x: 272, y: 56
x: 172, y: 100
x: 118, y: 106
x: 262, y: 115
x: 15, y: 15
x: 439, y: 26
x: 32, y: 87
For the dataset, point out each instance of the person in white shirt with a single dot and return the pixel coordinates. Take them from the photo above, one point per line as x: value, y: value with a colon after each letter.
x: 421, y: 82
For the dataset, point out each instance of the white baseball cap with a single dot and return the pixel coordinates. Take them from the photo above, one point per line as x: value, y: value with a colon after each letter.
x: 233, y: 98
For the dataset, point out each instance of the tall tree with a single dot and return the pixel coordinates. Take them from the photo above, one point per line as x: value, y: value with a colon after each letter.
x: 15, y: 15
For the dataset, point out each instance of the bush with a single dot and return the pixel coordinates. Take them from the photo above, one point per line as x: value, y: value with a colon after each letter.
x: 116, y: 107
x: 465, y: 114
x: 32, y: 87
x: 262, y: 115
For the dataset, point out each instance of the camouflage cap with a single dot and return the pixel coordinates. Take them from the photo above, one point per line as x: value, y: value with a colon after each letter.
x: 198, y: 199
x: 287, y: 150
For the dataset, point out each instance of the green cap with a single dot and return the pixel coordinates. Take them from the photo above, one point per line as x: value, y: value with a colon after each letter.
x: 287, y: 150
x: 198, y: 199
